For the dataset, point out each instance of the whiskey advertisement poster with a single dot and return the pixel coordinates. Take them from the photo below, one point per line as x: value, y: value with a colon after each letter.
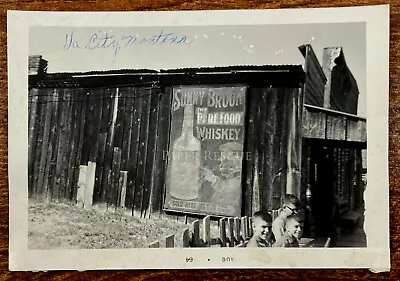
x: 206, y: 150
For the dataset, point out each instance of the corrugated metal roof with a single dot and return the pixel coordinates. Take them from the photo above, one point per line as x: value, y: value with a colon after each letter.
x: 281, y: 67
x: 278, y: 75
x: 232, y: 68
x: 99, y: 72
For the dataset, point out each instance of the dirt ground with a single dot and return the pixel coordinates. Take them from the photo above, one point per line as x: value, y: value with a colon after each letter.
x: 62, y: 226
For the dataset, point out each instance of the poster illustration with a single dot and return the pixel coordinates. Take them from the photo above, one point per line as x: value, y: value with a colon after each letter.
x: 206, y: 150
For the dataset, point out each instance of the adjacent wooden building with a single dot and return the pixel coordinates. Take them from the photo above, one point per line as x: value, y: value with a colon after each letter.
x: 333, y: 140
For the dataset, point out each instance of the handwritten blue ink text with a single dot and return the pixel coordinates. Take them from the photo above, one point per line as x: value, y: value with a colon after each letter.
x: 105, y: 40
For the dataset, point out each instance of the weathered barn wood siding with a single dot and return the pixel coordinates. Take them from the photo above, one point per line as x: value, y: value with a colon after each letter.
x: 314, y: 124
x: 127, y: 129
x: 273, y: 142
x: 332, y: 125
x: 335, y: 127
x: 55, y: 138
x: 118, y: 129
x: 314, y: 86
x: 356, y: 130
x: 96, y: 141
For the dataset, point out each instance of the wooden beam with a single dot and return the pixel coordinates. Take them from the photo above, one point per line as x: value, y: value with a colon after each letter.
x: 314, y: 124
x: 222, y: 232
x: 186, y: 238
x: 155, y: 244
x: 237, y: 231
x: 206, y: 231
x: 336, y: 127
x: 313, y: 108
x: 81, y: 185
x: 244, y: 228
x: 231, y: 227
x: 196, y: 233
x: 123, y: 177
x: 90, y: 178
x: 356, y: 130
x: 169, y: 241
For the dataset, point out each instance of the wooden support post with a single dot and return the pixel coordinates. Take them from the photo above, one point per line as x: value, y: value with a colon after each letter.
x: 40, y: 140
x: 244, y: 228
x: 250, y: 227
x: 155, y: 244
x: 114, y: 180
x: 186, y: 238
x: 80, y: 196
x: 82, y: 120
x: 237, y: 231
x: 169, y: 241
x: 101, y: 151
x: 90, y: 178
x: 222, y: 232
x: 206, y: 231
x: 63, y: 194
x: 43, y: 167
x: 123, y: 178
x: 196, y: 233
x: 231, y: 232
x: 33, y: 107
x: 327, y: 243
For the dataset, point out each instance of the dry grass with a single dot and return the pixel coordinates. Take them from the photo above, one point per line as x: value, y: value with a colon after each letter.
x: 62, y: 226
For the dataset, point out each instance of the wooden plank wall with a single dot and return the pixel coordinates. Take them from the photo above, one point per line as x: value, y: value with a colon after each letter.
x: 314, y: 86
x: 117, y: 137
x: 322, y: 125
x: 56, y: 118
x: 267, y: 140
x: 294, y: 107
x: 117, y: 134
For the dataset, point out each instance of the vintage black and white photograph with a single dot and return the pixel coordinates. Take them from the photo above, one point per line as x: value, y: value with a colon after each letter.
x: 197, y: 136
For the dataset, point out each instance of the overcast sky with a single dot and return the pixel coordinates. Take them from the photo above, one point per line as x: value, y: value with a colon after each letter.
x: 199, y: 46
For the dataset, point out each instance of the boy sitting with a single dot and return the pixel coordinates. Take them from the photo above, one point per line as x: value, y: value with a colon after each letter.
x: 292, y: 233
x: 290, y: 206
x: 262, y: 230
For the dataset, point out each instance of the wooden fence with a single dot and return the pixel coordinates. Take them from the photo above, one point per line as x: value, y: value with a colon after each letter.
x: 233, y: 232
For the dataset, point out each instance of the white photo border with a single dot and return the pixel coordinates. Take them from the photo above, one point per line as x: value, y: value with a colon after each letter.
x: 376, y: 256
